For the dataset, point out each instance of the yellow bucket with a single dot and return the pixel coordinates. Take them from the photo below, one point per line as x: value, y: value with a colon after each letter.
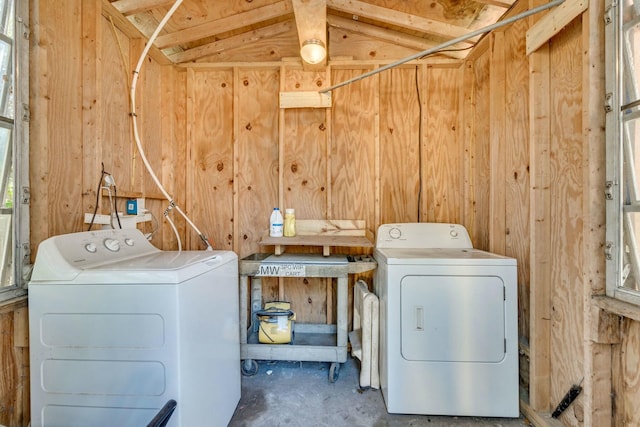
x: 276, y: 323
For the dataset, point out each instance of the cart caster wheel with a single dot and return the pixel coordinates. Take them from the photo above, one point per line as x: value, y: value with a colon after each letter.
x: 249, y: 368
x: 334, y: 371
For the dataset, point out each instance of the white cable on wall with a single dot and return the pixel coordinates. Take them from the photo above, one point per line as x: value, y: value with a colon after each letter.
x: 134, y: 81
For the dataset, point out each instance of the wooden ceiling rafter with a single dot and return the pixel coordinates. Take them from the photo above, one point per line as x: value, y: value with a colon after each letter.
x: 131, y: 7
x: 409, y: 27
x: 395, y: 37
x: 222, y: 25
x: 128, y: 28
x: 401, y: 19
x: 500, y: 3
x: 233, y: 42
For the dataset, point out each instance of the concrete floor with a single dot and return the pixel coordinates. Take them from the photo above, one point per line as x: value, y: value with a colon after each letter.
x: 292, y: 394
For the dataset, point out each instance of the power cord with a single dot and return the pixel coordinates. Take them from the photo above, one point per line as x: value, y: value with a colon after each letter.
x: 107, y: 178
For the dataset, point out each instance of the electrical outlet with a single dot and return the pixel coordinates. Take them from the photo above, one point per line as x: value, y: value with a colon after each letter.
x: 141, y: 207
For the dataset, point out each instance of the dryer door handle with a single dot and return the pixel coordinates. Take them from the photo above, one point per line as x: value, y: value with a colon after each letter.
x: 419, y: 318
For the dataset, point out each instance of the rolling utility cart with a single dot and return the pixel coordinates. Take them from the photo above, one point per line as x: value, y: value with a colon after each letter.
x: 312, y: 342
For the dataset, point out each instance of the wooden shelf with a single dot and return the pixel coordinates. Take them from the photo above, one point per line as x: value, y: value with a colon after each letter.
x: 124, y: 194
x: 325, y: 233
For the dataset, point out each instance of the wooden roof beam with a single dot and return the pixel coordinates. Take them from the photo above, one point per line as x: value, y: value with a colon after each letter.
x: 311, y: 22
x: 231, y: 42
x: 500, y: 3
x: 402, y: 19
x: 222, y: 25
x: 395, y: 37
x: 131, y: 7
x: 110, y: 12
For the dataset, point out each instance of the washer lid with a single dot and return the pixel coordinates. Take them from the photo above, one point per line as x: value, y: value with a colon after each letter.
x: 439, y: 256
x: 162, y: 261
x: 98, y: 256
x: 162, y: 268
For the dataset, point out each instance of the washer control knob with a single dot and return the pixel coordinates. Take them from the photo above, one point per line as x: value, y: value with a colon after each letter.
x: 91, y: 248
x: 129, y: 242
x: 453, y: 233
x: 395, y: 233
x: 112, y: 244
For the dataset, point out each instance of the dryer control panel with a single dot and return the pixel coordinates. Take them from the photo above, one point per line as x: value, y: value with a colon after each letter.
x: 423, y: 235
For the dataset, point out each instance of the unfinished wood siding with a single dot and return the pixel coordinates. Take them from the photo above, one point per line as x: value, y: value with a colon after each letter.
x: 174, y: 153
x: 257, y: 172
x: 354, y: 148
x: 627, y: 375
x: 117, y: 153
x: 495, y: 119
x: 517, y: 179
x: 210, y: 160
x: 80, y: 75
x: 497, y: 142
x: 476, y: 124
x: 56, y: 158
x: 441, y: 151
x: 14, y: 354
x: 399, y: 146
x: 304, y: 150
x: 305, y: 182
x: 566, y: 192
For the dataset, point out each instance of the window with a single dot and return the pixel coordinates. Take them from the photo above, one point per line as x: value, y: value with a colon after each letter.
x: 14, y: 233
x: 622, y: 47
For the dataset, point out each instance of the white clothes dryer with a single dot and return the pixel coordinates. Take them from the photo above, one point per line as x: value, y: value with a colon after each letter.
x: 448, y: 323
x: 118, y: 328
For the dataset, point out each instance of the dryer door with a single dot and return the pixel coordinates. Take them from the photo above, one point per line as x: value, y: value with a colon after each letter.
x: 452, y: 318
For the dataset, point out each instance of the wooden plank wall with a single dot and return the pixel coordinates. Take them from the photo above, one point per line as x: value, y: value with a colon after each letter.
x: 502, y: 142
x: 336, y: 163
x: 497, y: 205
x: 14, y: 354
x: 546, y: 108
x: 566, y: 192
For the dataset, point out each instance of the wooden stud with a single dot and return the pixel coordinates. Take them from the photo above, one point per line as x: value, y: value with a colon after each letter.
x: 467, y: 102
x: 281, y: 147
x: 190, y: 143
x: 497, y: 107
x: 377, y: 163
x: 540, y: 251
x: 603, y: 327
x: 173, y: 147
x: 236, y: 160
x: 328, y: 179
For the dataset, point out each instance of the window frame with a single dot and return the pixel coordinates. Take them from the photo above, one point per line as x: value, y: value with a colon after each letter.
x: 20, y: 150
x: 615, y: 152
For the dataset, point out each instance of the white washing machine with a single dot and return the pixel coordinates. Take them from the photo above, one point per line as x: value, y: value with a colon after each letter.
x: 119, y: 327
x: 448, y: 323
